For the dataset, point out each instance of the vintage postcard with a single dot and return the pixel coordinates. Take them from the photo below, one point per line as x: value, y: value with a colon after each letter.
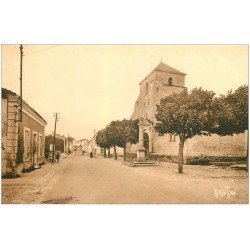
x: 124, y: 124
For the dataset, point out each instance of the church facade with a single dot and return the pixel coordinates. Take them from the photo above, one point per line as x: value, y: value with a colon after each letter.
x: 159, y: 83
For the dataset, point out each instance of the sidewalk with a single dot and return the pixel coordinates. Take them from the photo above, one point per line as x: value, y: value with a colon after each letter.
x: 31, y: 187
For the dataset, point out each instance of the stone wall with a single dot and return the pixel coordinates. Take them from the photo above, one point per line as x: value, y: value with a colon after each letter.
x: 217, y: 145
x: 163, y: 146
x: 208, y: 146
x: 4, y: 136
x: 178, y: 80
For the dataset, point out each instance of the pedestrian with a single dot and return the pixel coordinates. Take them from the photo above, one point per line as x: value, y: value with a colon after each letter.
x: 91, y: 154
x: 57, y: 156
x: 50, y: 157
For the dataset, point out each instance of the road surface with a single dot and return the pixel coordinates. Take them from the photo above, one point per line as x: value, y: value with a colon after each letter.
x: 79, y: 179
x: 106, y: 181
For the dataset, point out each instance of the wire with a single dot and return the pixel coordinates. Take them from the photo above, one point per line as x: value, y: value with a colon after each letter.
x: 34, y: 52
x: 38, y: 51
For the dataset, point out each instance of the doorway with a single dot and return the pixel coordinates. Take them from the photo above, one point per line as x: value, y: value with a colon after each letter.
x: 146, y: 142
x: 34, y: 144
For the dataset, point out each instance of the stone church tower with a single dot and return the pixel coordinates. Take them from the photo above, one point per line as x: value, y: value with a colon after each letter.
x: 161, y: 82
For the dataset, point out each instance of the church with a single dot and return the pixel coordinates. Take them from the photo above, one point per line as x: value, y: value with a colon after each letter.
x: 159, y: 83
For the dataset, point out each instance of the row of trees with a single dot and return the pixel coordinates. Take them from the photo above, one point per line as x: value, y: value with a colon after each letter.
x: 118, y: 134
x: 187, y: 114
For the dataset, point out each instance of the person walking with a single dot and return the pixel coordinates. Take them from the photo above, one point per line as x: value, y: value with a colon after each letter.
x: 57, y: 156
x: 91, y: 155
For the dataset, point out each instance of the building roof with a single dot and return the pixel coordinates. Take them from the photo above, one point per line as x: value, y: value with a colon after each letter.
x: 164, y: 68
x: 7, y: 92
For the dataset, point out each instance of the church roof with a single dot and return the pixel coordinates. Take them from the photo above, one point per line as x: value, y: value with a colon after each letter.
x: 164, y: 68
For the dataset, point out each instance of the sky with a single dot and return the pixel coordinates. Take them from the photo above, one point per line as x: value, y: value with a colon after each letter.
x: 91, y: 85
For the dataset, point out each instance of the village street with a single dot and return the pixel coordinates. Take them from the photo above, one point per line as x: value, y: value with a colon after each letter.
x: 79, y: 179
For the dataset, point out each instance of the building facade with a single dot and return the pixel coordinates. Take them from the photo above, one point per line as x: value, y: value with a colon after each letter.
x: 92, y: 146
x: 23, y: 141
x: 162, y: 82
x: 61, y: 143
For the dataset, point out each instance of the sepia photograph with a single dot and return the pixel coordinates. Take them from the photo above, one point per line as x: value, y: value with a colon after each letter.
x: 124, y: 124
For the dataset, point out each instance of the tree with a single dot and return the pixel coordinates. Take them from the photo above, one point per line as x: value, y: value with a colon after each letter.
x: 232, y: 112
x: 113, y: 134
x: 186, y: 115
x: 128, y: 132
x: 102, y: 140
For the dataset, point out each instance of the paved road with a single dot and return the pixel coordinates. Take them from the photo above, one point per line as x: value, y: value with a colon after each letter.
x: 79, y: 179
x: 99, y: 180
x: 106, y: 181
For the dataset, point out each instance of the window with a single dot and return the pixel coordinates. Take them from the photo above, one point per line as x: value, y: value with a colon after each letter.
x: 146, y: 88
x: 170, y: 81
x: 26, y: 143
x: 172, y: 138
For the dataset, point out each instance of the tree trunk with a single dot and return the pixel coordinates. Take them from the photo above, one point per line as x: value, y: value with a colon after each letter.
x: 115, y: 152
x: 108, y: 152
x: 180, y: 156
x: 105, y: 155
x: 124, y: 153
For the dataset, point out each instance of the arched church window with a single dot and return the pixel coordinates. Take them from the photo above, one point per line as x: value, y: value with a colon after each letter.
x: 170, y: 81
x: 146, y: 88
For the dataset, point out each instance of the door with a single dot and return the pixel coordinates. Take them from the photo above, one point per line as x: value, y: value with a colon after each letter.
x: 146, y: 142
x: 34, y: 144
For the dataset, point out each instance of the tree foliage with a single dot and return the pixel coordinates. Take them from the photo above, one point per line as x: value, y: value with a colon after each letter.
x: 123, y: 132
x: 232, y: 112
x: 102, y: 139
x: 118, y: 133
x: 128, y: 132
x: 186, y: 115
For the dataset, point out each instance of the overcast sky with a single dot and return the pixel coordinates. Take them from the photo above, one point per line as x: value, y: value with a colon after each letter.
x: 91, y: 85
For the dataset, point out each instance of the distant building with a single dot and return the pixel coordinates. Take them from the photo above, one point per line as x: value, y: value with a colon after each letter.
x: 92, y: 146
x: 60, y: 143
x: 22, y: 141
x: 82, y: 144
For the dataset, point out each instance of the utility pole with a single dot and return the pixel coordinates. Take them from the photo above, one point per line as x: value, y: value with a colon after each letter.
x: 21, y: 83
x: 56, y: 119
